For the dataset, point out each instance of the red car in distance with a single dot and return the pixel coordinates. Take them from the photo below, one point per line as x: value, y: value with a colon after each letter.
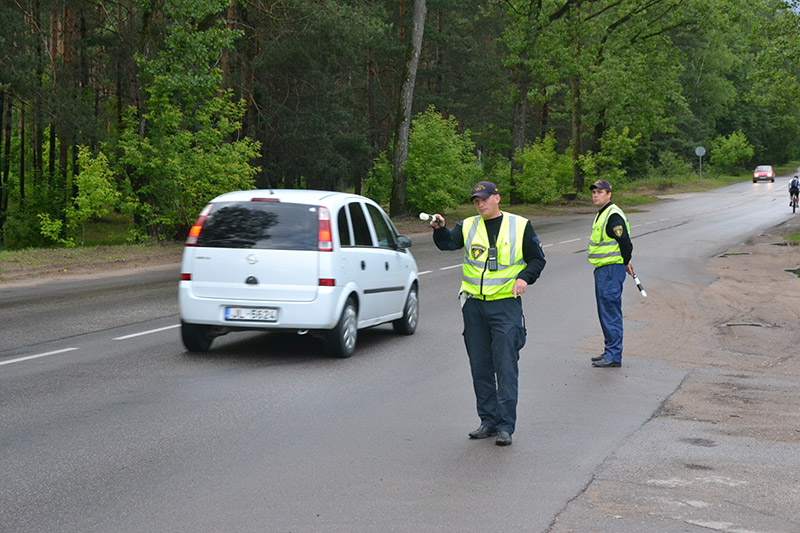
x: 763, y: 172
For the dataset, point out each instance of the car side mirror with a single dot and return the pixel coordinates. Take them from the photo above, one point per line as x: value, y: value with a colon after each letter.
x: 403, y: 242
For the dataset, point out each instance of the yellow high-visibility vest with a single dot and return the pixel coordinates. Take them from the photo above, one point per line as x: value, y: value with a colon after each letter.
x: 603, y: 250
x: 478, y: 280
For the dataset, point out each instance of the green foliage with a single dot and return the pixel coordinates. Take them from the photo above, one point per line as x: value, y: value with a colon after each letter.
x: 185, y: 67
x: 97, y: 193
x: 441, y: 166
x: 545, y: 175
x: 615, y: 148
x: 183, y: 162
x: 671, y: 168
x: 440, y: 169
x: 730, y: 154
x: 51, y: 230
x: 378, y: 185
x: 22, y: 230
x: 189, y: 151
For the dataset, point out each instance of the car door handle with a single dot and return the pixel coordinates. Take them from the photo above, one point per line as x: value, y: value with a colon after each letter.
x: 363, y: 265
x: 386, y: 264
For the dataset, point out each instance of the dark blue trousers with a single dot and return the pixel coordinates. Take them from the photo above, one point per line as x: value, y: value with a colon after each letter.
x: 494, y: 333
x: 608, y: 282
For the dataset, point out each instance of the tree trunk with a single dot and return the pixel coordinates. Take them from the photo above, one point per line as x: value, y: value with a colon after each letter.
x: 36, y: 103
x: 577, y: 132
x: 21, y: 152
x: 3, y: 156
x: 7, y: 162
x: 230, y: 15
x: 520, y: 120
x: 397, y: 204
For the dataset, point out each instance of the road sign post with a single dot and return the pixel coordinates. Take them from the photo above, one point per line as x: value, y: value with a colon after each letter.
x: 700, y: 151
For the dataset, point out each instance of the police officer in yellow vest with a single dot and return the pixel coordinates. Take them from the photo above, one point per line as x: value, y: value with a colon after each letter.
x: 610, y: 250
x: 502, y: 256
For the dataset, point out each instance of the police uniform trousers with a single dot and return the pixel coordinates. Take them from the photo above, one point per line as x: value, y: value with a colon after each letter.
x: 608, y: 282
x: 494, y: 333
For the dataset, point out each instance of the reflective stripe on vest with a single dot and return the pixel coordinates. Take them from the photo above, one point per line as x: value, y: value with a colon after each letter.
x: 603, y: 250
x: 477, y: 279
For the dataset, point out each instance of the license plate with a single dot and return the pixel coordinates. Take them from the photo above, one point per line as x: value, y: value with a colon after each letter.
x: 253, y: 314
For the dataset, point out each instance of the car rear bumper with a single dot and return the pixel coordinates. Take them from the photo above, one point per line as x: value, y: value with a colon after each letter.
x: 321, y: 313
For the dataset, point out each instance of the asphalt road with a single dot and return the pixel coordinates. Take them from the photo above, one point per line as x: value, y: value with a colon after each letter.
x: 107, y: 424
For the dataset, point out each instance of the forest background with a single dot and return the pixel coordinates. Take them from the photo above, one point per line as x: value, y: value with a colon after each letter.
x: 143, y: 110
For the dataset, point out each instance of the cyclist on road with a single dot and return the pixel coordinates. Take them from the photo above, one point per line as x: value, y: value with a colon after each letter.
x: 794, y: 189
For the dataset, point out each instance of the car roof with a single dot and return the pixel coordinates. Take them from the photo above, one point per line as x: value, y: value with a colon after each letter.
x: 298, y: 196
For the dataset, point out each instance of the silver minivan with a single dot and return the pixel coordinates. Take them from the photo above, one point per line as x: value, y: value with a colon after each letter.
x: 324, y: 262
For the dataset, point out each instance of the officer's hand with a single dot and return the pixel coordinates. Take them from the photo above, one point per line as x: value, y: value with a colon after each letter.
x: 629, y: 269
x: 520, y: 286
x: 438, y: 221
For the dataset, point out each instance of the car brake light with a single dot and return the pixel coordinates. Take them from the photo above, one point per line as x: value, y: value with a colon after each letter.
x: 264, y: 200
x: 325, y: 237
x: 327, y: 282
x: 194, y: 232
x: 186, y: 277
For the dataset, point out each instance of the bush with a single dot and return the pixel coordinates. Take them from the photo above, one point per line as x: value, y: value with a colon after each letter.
x: 545, y: 174
x: 615, y: 147
x: 730, y: 154
x: 97, y: 195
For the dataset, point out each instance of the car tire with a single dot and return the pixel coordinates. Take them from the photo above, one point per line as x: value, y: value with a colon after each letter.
x: 755, y: 181
x: 772, y: 180
x: 196, y: 337
x: 341, y: 340
x: 407, y: 325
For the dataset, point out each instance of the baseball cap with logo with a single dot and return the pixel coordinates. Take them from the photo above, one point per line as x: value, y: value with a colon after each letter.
x: 484, y: 189
x: 600, y: 184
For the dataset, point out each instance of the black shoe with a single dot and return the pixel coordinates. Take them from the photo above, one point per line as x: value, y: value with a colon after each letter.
x: 503, y: 439
x: 606, y: 363
x: 598, y: 357
x: 483, y: 431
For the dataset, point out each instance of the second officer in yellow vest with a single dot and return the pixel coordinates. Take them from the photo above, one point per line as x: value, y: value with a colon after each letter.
x: 610, y: 251
x: 502, y: 256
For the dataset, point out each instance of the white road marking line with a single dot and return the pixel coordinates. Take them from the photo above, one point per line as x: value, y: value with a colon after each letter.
x: 448, y: 268
x: 546, y: 245
x: 424, y: 272
x: 145, y: 332
x: 569, y: 241
x: 20, y: 359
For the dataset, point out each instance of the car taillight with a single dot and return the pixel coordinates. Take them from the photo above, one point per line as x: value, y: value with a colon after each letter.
x: 191, y: 240
x: 186, y: 277
x: 327, y: 282
x: 325, y: 237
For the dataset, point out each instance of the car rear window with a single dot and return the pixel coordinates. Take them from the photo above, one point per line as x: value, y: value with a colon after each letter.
x: 260, y: 225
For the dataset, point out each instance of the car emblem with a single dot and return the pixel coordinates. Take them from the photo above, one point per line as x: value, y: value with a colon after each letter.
x: 252, y: 259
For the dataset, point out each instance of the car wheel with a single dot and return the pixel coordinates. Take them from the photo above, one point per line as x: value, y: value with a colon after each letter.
x: 772, y: 180
x: 341, y: 340
x: 196, y: 337
x: 408, y: 324
x: 755, y: 181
